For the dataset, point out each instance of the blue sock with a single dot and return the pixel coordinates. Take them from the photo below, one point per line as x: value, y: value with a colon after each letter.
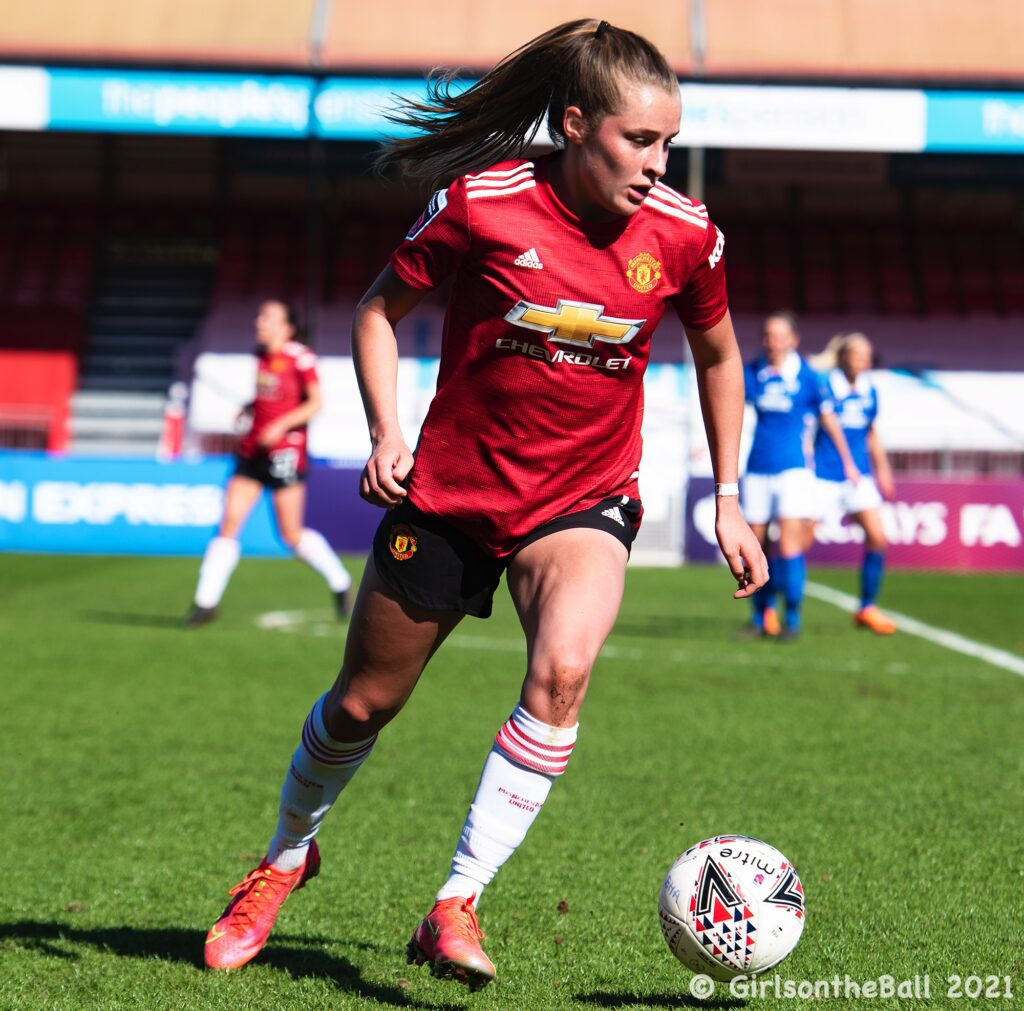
x: 792, y: 574
x: 871, y: 571
x: 765, y: 597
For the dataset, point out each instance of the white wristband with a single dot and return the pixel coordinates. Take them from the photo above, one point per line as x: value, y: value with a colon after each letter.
x: 727, y: 489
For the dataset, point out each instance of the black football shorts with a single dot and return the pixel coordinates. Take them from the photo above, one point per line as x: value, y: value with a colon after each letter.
x: 432, y: 564
x: 278, y: 469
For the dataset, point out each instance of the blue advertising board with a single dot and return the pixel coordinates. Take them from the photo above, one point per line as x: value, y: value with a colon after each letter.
x: 119, y: 507
x: 356, y: 108
x: 975, y: 121
x: 145, y: 101
x: 83, y: 505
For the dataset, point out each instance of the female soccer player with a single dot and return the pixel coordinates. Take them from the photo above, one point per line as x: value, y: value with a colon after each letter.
x: 778, y: 483
x: 527, y: 462
x: 856, y: 407
x: 272, y: 454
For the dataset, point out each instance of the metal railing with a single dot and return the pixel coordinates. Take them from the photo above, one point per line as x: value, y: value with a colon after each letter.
x: 22, y: 428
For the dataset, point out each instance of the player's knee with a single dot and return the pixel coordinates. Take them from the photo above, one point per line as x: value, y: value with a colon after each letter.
x: 558, y: 687
x: 357, y: 714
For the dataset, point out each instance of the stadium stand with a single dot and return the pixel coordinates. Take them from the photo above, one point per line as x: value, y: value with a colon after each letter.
x: 918, y: 290
x: 46, y: 255
x: 747, y: 38
x: 218, y: 31
x: 39, y: 351
x: 133, y: 253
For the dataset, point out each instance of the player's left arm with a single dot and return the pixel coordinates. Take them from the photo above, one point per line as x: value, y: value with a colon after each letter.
x: 295, y: 418
x: 720, y: 383
x: 880, y: 465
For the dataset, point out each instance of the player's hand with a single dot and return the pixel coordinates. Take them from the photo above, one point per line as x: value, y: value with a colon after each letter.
x: 852, y: 473
x: 741, y: 549
x: 886, y: 486
x: 388, y: 466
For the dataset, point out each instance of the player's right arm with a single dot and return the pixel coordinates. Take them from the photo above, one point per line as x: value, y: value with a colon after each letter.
x: 432, y: 250
x: 375, y: 355
x: 880, y: 464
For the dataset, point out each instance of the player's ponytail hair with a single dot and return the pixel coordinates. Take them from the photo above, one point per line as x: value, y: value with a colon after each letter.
x: 828, y: 357
x: 581, y: 63
x: 833, y: 354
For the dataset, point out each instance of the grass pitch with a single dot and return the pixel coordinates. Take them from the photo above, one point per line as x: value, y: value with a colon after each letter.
x: 140, y: 766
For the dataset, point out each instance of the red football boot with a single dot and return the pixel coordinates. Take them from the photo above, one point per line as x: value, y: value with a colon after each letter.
x: 243, y: 928
x: 449, y: 941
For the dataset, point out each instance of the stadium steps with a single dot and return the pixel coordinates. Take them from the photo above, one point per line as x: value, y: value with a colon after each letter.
x: 135, y: 324
x: 126, y: 302
x: 108, y: 422
x: 139, y: 361
x: 144, y: 311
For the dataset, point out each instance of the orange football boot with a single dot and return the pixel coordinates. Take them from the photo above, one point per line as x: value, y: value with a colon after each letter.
x: 771, y: 622
x: 244, y: 926
x: 871, y: 617
x: 449, y: 941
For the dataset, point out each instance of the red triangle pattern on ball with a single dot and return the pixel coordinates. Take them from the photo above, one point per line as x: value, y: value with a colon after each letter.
x: 726, y: 936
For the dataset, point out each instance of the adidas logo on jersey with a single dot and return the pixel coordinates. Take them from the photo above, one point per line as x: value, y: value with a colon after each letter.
x: 614, y: 514
x: 529, y: 259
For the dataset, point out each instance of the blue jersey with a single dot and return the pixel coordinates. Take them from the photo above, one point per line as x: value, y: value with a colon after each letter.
x: 856, y: 407
x: 782, y: 398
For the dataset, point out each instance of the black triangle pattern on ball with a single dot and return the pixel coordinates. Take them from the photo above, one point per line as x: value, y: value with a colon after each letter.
x: 728, y: 941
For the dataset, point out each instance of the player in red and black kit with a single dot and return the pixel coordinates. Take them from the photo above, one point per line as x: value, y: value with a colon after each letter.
x: 528, y: 460
x: 272, y: 454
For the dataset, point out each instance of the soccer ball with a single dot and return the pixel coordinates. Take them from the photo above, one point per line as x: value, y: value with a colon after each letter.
x: 731, y: 906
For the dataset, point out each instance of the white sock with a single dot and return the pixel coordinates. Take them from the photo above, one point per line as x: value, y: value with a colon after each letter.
x: 219, y: 562
x: 527, y: 757
x: 321, y: 768
x: 314, y: 550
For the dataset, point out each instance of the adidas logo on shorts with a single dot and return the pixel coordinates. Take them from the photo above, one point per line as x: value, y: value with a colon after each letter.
x: 529, y: 259
x: 614, y: 514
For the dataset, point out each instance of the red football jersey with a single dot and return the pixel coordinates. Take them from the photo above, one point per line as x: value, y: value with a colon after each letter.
x: 281, y: 382
x: 546, y: 338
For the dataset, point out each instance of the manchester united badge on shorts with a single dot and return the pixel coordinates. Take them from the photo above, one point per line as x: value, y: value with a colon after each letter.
x: 402, y: 542
x: 643, y: 272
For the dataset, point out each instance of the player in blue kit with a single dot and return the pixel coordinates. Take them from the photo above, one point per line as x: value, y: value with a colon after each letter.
x: 856, y: 407
x: 779, y: 485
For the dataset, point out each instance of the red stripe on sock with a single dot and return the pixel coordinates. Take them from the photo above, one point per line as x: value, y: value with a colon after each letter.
x: 532, y: 742
x: 539, y: 760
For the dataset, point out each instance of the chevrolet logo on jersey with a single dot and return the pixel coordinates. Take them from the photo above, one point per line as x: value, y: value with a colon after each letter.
x: 578, y: 324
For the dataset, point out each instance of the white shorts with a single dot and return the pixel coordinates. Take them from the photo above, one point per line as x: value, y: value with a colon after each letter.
x: 841, y: 498
x: 789, y: 495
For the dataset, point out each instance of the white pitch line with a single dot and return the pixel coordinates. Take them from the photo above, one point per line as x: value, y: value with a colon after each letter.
x: 939, y: 636
x: 322, y: 624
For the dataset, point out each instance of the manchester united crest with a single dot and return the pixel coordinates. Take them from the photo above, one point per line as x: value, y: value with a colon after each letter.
x: 643, y: 272
x: 402, y: 542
